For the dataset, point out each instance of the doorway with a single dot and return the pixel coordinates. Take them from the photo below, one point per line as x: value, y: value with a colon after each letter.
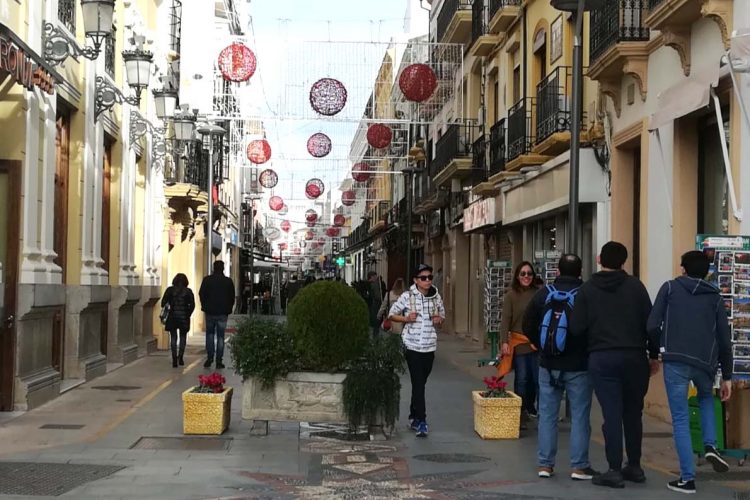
x: 106, y: 197
x: 62, y: 162
x: 10, y: 184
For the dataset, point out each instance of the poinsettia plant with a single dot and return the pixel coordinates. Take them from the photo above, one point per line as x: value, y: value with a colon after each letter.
x: 211, y: 383
x: 496, y: 388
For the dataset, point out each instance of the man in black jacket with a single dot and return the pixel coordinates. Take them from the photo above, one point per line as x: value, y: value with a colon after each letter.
x: 217, y: 301
x: 611, y: 311
x: 690, y: 325
x: 561, y: 371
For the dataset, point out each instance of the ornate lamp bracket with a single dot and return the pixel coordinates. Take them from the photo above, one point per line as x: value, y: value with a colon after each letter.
x: 107, y: 95
x: 58, y: 46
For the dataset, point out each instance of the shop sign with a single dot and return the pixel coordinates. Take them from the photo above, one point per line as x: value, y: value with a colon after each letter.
x: 479, y: 214
x: 22, y: 64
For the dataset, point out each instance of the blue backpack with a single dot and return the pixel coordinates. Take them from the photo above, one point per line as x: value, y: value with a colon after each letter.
x: 553, y: 332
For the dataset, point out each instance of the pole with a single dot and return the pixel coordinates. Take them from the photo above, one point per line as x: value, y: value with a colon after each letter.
x: 252, y: 258
x: 409, y: 173
x: 210, y: 221
x: 575, y: 132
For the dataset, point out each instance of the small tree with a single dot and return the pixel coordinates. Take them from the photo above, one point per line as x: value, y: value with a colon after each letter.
x: 262, y: 348
x: 329, y: 324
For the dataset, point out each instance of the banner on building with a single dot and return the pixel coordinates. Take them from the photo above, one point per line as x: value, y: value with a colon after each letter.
x: 479, y: 214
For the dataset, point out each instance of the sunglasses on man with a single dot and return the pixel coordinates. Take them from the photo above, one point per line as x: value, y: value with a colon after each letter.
x: 426, y: 277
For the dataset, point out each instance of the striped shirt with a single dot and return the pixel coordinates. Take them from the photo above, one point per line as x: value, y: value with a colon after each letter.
x: 420, y: 336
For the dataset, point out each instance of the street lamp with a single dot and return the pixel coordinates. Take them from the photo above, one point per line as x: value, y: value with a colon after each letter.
x: 165, y: 102
x: 97, y: 20
x: 97, y: 25
x: 138, y: 70
x: 209, y: 131
x: 184, y: 124
x: 577, y: 7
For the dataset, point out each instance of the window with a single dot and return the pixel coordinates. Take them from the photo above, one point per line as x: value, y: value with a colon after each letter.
x: 62, y: 161
x: 66, y: 14
x: 109, y: 52
x: 516, y: 84
x: 106, y: 205
x: 713, y: 190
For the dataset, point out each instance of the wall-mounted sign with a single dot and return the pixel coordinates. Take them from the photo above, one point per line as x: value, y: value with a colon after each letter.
x: 479, y: 214
x: 23, y: 65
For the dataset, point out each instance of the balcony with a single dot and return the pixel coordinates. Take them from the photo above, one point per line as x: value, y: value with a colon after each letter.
x: 453, y: 153
x: 498, y: 148
x: 186, y: 173
x: 454, y: 21
x: 427, y: 196
x: 379, y: 216
x: 674, y: 19
x: 521, y: 136
x: 66, y: 14
x: 553, y: 112
x: 619, y: 45
x: 480, y: 172
x: 482, y: 41
x: 502, y: 14
x: 109, y: 53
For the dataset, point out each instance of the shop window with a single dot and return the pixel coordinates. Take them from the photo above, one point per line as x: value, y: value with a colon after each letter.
x: 713, y: 190
x: 62, y: 162
x: 106, y: 196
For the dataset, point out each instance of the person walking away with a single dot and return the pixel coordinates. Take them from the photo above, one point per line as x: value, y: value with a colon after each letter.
x: 610, y: 311
x: 421, y: 310
x: 391, y: 297
x: 516, y: 350
x: 562, y: 369
x: 181, y: 303
x: 374, y: 301
x: 689, y: 323
x: 217, y: 299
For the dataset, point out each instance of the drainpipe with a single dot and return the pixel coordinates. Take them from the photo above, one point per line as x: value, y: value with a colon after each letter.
x: 524, y: 61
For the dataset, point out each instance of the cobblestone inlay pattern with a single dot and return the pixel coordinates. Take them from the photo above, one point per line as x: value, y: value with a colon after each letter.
x: 49, y: 479
x: 182, y: 443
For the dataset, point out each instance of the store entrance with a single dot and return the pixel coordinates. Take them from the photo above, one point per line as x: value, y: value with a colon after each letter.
x: 9, y: 198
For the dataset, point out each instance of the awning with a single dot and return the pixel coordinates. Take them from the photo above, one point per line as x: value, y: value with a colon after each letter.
x: 686, y: 96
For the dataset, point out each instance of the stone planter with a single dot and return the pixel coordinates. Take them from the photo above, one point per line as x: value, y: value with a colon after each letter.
x: 299, y: 397
x: 206, y: 413
x: 497, y: 418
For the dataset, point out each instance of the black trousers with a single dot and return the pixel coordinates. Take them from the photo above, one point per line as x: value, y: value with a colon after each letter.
x: 173, y: 341
x: 420, y: 366
x: 620, y: 380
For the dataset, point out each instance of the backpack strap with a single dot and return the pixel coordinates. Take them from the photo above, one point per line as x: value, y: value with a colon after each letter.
x: 550, y: 291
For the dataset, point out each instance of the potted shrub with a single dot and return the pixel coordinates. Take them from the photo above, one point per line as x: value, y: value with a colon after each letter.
x: 206, y: 407
x: 497, y: 411
x: 372, y: 387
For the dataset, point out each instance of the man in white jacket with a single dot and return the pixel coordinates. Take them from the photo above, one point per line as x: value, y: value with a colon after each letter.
x: 421, y: 310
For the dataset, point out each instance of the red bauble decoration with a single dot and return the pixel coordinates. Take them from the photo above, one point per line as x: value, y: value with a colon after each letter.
x: 319, y: 145
x: 328, y: 96
x: 285, y: 226
x: 237, y: 63
x: 339, y: 220
x: 379, y: 136
x: 268, y: 178
x: 417, y: 82
x: 283, y: 246
x: 311, y: 215
x: 314, y: 188
x: 348, y: 198
x: 361, y: 172
x: 275, y: 203
x: 259, y: 151
x: 333, y: 231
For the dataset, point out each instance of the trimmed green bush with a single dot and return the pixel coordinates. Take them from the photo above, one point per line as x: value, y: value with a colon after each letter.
x: 263, y: 349
x: 329, y: 323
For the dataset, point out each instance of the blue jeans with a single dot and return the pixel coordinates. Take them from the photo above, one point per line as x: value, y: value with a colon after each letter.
x: 579, y: 388
x: 676, y: 379
x: 526, y: 381
x: 215, y: 327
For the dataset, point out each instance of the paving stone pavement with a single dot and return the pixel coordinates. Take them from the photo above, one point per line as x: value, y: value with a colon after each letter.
x: 452, y: 463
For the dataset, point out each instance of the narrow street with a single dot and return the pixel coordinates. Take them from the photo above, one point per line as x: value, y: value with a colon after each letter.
x: 120, y: 436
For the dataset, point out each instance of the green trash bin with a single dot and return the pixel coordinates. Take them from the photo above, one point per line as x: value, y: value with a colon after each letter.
x: 695, y: 424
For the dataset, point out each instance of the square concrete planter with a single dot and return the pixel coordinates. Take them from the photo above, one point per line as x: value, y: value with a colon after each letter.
x: 497, y: 418
x: 206, y: 413
x: 298, y: 397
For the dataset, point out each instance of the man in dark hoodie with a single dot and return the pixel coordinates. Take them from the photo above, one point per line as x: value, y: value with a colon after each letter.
x: 561, y: 371
x: 611, y: 311
x: 217, y: 301
x: 690, y: 325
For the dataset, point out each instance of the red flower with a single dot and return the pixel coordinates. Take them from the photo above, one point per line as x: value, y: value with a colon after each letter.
x: 495, y: 387
x: 212, y: 383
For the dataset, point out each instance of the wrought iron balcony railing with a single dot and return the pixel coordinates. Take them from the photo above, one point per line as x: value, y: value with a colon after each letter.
x: 66, y: 14
x: 447, y: 11
x: 109, y: 53
x: 617, y: 21
x: 479, y: 161
x: 520, y: 137
x: 553, y: 103
x: 455, y: 143
x: 187, y: 164
x: 175, y: 26
x: 497, y: 147
x: 496, y: 5
x: 458, y: 201
x: 423, y: 187
x: 653, y: 4
x: 479, y: 25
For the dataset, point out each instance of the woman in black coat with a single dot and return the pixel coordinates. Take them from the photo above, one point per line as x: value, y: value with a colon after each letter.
x: 181, y: 306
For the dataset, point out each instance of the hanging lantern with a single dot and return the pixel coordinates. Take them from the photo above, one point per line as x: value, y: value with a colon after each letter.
x: 275, y: 203
x: 284, y: 210
x: 348, y: 198
x: 379, y: 136
x: 417, y: 82
x: 333, y: 232
x: 285, y: 226
x: 268, y: 179
x: 237, y: 63
x: 259, y: 151
x: 339, y: 220
x: 311, y: 215
x: 309, y: 235
x: 314, y: 188
x: 283, y: 246
x: 272, y: 233
x: 328, y: 96
x: 361, y: 172
x: 319, y: 145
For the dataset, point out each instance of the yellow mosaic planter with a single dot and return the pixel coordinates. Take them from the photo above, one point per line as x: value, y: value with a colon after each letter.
x: 206, y: 413
x: 497, y: 418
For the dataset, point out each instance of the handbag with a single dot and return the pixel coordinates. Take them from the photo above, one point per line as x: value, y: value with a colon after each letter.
x: 387, y: 324
x: 164, y: 314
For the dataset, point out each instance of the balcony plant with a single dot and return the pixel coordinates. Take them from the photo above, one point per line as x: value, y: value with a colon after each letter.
x: 206, y: 408
x: 497, y: 411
